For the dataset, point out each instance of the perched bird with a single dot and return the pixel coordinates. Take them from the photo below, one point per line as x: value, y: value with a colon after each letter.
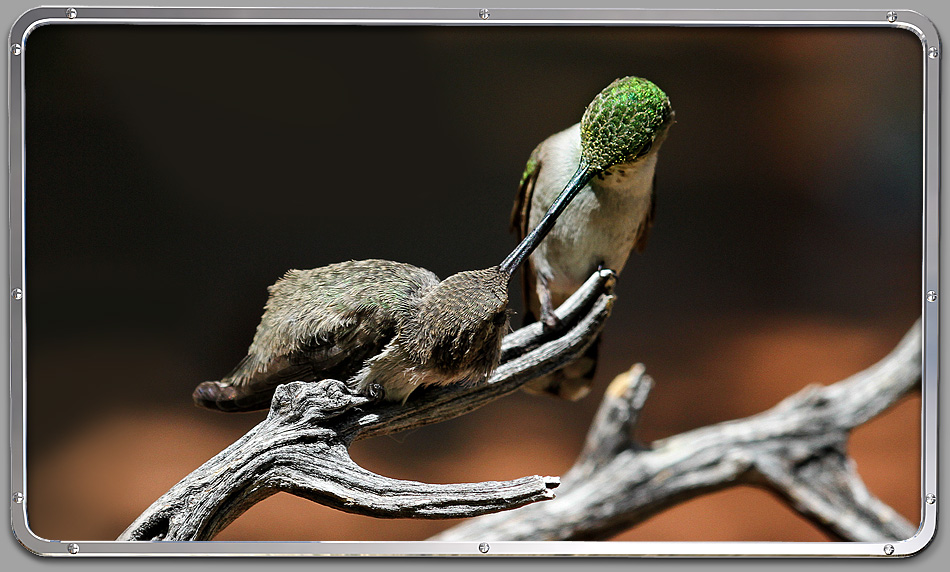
x: 369, y: 322
x: 611, y: 215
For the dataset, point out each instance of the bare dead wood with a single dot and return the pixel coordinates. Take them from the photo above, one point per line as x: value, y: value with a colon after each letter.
x: 797, y: 449
x: 302, y: 446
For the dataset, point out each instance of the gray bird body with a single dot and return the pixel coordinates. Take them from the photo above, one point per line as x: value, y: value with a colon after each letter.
x: 369, y: 322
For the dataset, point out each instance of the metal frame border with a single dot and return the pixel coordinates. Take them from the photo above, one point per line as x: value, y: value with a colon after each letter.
x: 909, y: 20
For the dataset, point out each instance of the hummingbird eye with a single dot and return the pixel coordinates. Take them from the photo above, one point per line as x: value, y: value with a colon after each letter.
x: 500, y: 318
x: 645, y: 149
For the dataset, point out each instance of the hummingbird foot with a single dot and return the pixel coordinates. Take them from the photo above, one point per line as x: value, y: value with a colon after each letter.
x: 551, y: 322
x: 375, y: 391
x: 549, y: 319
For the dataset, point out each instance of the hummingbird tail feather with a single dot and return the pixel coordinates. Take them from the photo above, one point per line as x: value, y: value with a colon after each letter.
x: 571, y: 382
x: 223, y: 396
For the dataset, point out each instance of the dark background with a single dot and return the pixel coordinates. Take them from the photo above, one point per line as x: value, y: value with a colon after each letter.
x: 174, y: 172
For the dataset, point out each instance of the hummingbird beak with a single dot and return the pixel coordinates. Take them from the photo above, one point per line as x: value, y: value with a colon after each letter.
x: 581, y: 177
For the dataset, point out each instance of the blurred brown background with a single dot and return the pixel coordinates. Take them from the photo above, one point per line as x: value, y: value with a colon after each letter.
x: 173, y: 173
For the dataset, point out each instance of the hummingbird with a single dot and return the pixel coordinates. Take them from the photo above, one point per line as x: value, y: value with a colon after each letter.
x: 611, y: 215
x: 384, y: 328
x: 369, y: 322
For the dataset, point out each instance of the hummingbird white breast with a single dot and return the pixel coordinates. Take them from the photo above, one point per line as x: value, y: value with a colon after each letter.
x: 603, y: 221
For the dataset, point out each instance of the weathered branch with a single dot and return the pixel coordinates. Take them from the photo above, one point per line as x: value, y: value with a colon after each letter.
x: 302, y: 446
x: 796, y: 449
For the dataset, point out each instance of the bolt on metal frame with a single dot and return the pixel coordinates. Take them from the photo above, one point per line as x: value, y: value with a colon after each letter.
x: 909, y: 20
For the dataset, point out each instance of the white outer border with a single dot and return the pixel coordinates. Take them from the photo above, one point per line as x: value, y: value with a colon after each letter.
x: 913, y: 21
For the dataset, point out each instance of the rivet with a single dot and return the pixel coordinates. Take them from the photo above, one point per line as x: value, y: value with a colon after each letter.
x: 17, y: 294
x: 483, y: 547
x: 15, y: 49
x: 892, y: 17
x: 931, y: 498
x: 71, y: 14
x: 932, y: 296
x: 933, y: 53
x: 18, y: 498
x: 888, y: 549
x: 484, y: 14
x: 73, y: 548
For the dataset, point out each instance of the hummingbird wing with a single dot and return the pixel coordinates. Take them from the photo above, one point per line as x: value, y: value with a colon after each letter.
x: 320, y: 324
x: 519, y: 214
x: 643, y: 233
x: 519, y: 225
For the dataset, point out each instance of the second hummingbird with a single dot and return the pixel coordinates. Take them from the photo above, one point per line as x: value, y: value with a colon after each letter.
x: 611, y: 215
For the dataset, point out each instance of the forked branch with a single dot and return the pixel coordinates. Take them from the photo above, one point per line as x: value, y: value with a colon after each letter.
x: 797, y: 449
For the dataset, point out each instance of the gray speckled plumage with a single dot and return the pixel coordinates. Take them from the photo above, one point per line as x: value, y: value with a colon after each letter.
x: 369, y: 322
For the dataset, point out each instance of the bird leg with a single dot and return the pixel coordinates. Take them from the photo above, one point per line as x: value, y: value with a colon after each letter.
x: 550, y: 320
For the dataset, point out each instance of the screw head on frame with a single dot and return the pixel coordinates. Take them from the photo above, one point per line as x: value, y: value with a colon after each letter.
x: 892, y: 17
x: 15, y: 49
x: 888, y: 549
x: 483, y: 547
x: 71, y: 13
x: 484, y: 14
x: 73, y: 548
